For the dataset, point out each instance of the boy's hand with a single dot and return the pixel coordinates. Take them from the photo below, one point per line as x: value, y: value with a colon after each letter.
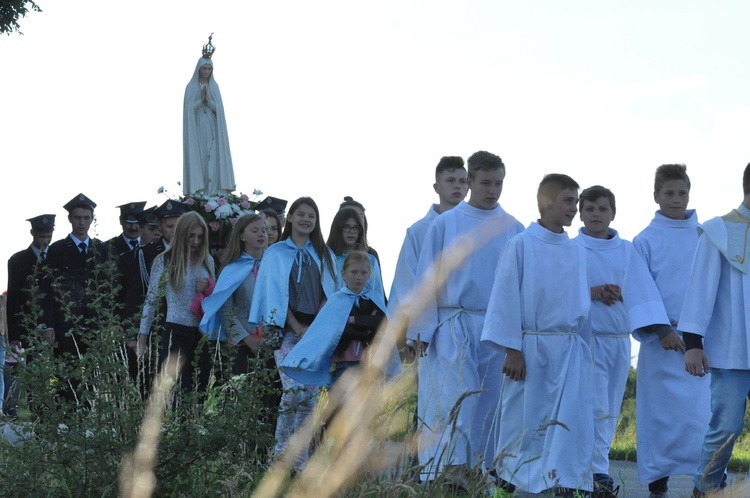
x: 672, y: 342
x: 514, y: 367
x: 609, y: 294
x: 49, y: 336
x: 696, y: 362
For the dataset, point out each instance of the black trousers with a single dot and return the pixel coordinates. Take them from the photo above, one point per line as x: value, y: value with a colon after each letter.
x: 190, y: 346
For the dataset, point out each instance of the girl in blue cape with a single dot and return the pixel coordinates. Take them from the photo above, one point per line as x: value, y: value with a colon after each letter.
x: 227, y: 309
x: 343, y: 330
x: 348, y: 231
x: 297, y: 276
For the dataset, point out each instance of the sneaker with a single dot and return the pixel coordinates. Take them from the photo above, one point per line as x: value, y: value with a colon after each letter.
x: 454, y: 478
x: 604, y: 487
x: 600, y: 492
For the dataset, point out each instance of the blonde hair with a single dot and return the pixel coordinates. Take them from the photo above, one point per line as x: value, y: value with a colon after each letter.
x: 177, y: 259
x: 236, y: 246
x: 356, y: 256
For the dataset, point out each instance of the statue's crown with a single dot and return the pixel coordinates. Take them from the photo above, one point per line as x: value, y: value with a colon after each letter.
x: 208, y: 48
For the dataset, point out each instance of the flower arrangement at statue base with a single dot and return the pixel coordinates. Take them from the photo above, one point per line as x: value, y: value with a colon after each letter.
x: 221, y: 212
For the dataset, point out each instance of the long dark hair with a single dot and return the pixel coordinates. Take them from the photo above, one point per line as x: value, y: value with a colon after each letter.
x: 316, y: 237
x: 272, y: 217
x: 335, y: 237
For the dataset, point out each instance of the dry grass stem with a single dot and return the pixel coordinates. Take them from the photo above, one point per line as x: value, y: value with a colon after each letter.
x: 137, y: 477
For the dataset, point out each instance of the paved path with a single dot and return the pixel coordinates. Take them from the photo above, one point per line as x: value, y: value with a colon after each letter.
x: 625, y: 475
x: 13, y: 432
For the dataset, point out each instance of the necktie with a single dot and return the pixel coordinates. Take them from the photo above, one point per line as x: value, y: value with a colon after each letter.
x: 43, y: 255
x: 82, y: 246
x: 133, y: 243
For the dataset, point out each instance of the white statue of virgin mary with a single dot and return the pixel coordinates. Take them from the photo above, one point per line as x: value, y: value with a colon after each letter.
x: 207, y: 161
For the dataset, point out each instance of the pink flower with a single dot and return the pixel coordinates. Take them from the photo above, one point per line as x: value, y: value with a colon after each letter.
x: 215, y: 225
x: 245, y: 204
x: 209, y: 208
x: 221, y: 201
x: 244, y: 197
x: 233, y: 221
x: 189, y: 201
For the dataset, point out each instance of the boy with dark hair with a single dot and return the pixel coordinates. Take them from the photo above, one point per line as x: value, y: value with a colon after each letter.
x: 624, y: 298
x: 129, y: 239
x: 21, y: 266
x: 537, y: 312
x: 449, y: 329
x: 715, y: 309
x: 665, y: 392
x: 77, y: 266
x: 450, y: 186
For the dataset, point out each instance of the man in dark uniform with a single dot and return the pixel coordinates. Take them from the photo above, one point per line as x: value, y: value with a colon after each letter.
x: 25, y: 270
x: 21, y: 267
x: 149, y: 225
x: 130, y: 237
x: 133, y: 277
x: 75, y: 264
x: 134, y: 271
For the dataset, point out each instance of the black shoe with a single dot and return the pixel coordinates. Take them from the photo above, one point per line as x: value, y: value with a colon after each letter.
x: 505, y: 485
x: 570, y: 493
x: 11, y: 413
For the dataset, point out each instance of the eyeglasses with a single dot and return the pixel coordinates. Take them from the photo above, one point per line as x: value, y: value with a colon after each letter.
x: 351, y: 228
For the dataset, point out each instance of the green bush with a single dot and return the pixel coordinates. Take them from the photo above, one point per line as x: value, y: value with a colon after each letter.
x: 211, y: 442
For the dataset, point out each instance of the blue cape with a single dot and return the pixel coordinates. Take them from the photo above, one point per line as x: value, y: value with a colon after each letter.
x: 271, y: 295
x: 376, y: 279
x: 229, y: 280
x: 309, y: 362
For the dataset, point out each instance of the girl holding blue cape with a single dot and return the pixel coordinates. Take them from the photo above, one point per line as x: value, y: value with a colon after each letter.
x: 343, y: 330
x: 226, y: 311
x: 297, y: 276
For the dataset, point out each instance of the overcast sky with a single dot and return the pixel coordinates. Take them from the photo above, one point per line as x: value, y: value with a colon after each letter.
x: 363, y: 98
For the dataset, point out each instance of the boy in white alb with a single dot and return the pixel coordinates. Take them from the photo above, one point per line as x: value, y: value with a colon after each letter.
x: 450, y: 186
x: 624, y: 298
x: 672, y: 408
x: 538, y: 309
x: 449, y: 329
x: 716, y: 309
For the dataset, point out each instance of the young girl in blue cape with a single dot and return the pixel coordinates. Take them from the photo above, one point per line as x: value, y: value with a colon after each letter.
x: 227, y: 309
x: 348, y: 231
x: 343, y: 330
x: 297, y: 276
